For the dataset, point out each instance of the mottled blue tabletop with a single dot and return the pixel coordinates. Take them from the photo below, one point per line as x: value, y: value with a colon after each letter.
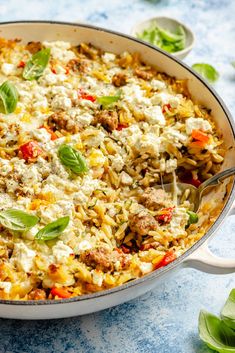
x: 164, y: 320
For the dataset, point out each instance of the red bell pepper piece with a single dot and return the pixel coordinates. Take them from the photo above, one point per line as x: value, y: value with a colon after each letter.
x: 121, y: 126
x: 165, y: 215
x: 200, y: 136
x: 168, y: 258
x: 30, y: 150
x: 60, y: 292
x: 84, y: 95
x: 168, y: 106
x: 21, y: 64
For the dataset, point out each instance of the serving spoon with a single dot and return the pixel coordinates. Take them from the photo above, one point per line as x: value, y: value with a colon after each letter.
x: 195, y: 194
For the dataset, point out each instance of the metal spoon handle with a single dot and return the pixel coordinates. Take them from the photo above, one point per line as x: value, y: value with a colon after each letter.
x: 216, y: 179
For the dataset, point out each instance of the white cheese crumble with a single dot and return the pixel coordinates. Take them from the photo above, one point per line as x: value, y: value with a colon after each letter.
x: 154, y: 115
x: 23, y: 257
x: 148, y: 143
x: 61, y: 102
x: 197, y: 124
x: 8, y: 69
x: 117, y: 162
x: 61, y: 251
x: 146, y: 267
x: 6, y: 286
x: 125, y: 178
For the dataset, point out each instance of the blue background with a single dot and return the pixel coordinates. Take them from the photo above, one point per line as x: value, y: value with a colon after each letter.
x: 164, y: 320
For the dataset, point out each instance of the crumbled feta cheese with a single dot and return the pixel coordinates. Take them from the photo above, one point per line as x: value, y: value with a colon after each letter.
x: 61, y: 251
x: 8, y: 69
x: 175, y: 136
x: 178, y: 222
x: 166, y: 98
x: 154, y: 115
x: 148, y: 143
x: 125, y: 178
x: 85, y: 119
x: 97, y: 277
x: 197, y: 124
x: 6, y: 286
x: 146, y: 267
x: 84, y: 245
x: 107, y: 57
x: 117, y: 162
x: 61, y: 102
x: 60, y: 50
x: 95, y: 139
x: 23, y: 257
x: 157, y: 84
x: 5, y: 167
x: 41, y: 135
x: 89, y: 185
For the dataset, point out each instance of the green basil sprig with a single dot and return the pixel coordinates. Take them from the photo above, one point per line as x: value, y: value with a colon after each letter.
x: 53, y: 229
x: 17, y: 220
x: 36, y: 65
x: 228, y: 311
x: 72, y: 159
x: 207, y: 71
x: 8, y: 97
x: 233, y: 64
x: 105, y: 101
x: 215, y: 333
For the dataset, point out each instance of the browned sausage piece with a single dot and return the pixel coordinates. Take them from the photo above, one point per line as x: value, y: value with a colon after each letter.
x: 119, y: 79
x: 142, y: 223
x: 108, y: 119
x: 61, y: 121
x: 77, y: 65
x: 89, y: 51
x: 37, y: 294
x: 154, y: 198
x: 34, y: 47
x: 103, y: 259
x: 144, y: 74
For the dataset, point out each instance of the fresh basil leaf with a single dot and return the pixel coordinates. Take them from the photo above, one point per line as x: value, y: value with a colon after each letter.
x: 53, y: 229
x: 8, y: 97
x: 105, y: 101
x: 164, y: 39
x: 36, y: 65
x: 72, y: 159
x: 215, y: 333
x: 228, y: 311
x: 170, y: 36
x: 233, y: 64
x: 193, y: 217
x: 207, y: 71
x: 17, y: 220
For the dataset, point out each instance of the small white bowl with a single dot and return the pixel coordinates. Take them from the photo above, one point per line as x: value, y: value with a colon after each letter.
x: 171, y: 25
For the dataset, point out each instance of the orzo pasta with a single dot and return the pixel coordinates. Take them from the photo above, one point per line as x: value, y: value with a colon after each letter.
x: 92, y: 135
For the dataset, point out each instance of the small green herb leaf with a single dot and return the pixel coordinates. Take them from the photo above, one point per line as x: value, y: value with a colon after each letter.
x: 36, y: 65
x: 72, y: 159
x: 193, y: 217
x: 8, y: 97
x: 105, y: 101
x: 228, y: 311
x: 233, y: 64
x: 207, y: 71
x: 17, y: 220
x: 215, y: 333
x: 53, y: 229
x: 164, y: 39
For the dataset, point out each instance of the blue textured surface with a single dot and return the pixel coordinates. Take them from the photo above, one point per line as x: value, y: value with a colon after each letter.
x: 164, y: 320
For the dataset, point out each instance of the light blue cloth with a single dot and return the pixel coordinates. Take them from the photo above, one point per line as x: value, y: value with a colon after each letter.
x: 164, y: 320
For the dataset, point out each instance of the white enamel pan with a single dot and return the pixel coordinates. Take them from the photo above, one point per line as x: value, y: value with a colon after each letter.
x: 199, y: 256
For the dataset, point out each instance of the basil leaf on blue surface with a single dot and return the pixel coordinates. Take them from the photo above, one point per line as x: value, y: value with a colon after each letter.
x: 207, y: 71
x: 228, y: 311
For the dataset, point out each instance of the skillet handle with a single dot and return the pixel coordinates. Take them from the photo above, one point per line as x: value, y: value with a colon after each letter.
x: 203, y: 260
